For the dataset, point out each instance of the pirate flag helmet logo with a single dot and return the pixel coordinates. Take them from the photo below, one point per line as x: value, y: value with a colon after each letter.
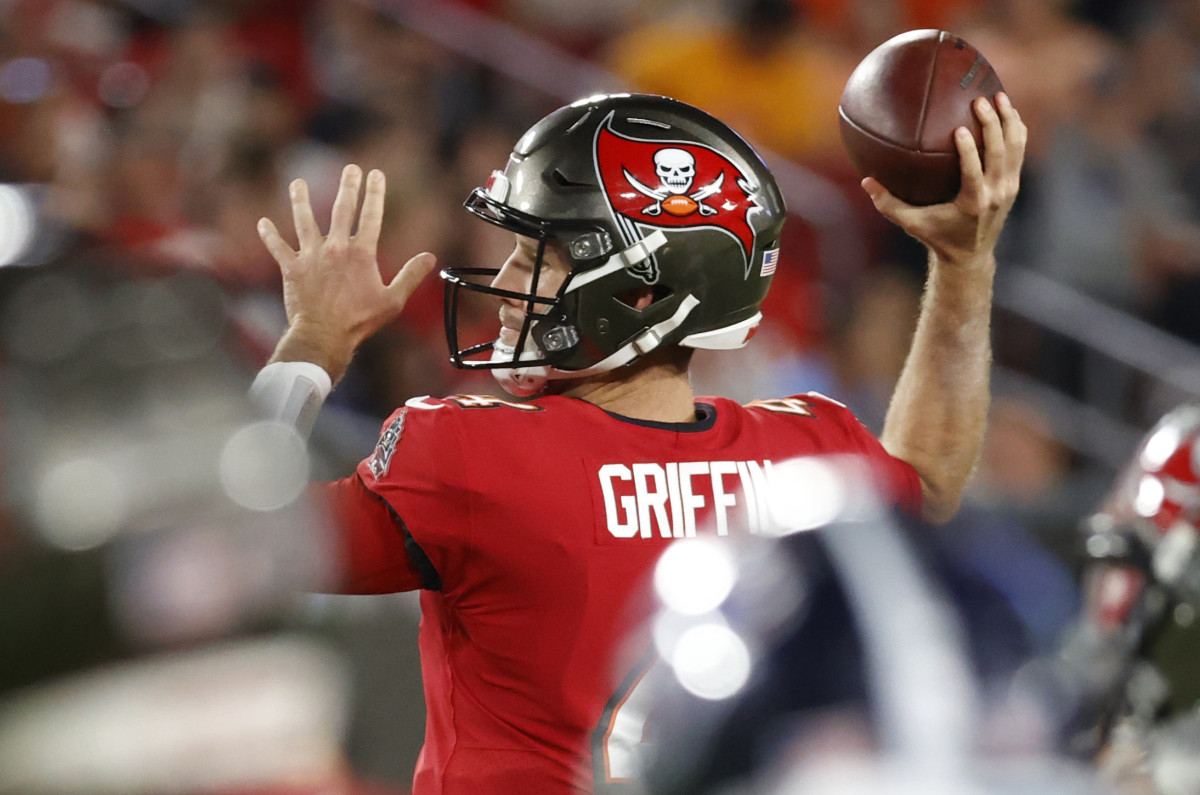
x: 676, y: 185
x: 667, y: 220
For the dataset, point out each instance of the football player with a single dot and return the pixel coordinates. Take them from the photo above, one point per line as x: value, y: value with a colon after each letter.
x: 1128, y: 668
x: 643, y: 228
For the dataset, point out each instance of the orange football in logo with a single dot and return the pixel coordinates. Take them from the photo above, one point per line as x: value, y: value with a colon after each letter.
x: 679, y: 205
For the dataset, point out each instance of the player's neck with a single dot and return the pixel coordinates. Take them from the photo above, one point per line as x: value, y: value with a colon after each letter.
x: 657, y: 393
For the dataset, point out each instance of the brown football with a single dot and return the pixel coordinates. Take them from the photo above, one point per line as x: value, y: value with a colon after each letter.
x: 679, y: 205
x: 901, y: 106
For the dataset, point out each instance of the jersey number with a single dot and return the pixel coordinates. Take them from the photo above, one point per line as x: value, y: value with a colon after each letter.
x: 783, y: 406
x: 620, y: 733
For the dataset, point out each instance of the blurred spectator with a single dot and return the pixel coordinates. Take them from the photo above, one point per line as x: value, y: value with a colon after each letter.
x: 579, y: 27
x: 864, y: 24
x: 154, y: 548
x: 1166, y: 65
x: 1102, y: 209
x: 1116, y: 16
x: 1022, y: 463
x: 870, y: 343
x: 1105, y: 213
x: 757, y: 64
x: 1045, y: 56
x: 1017, y: 528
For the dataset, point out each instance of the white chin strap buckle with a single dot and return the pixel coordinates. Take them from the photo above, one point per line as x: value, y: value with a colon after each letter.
x: 519, y: 381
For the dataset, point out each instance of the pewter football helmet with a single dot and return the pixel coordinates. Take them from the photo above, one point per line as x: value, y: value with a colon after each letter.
x: 638, y: 192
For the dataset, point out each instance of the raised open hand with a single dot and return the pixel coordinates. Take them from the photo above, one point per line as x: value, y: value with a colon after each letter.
x: 965, y: 231
x: 333, y: 292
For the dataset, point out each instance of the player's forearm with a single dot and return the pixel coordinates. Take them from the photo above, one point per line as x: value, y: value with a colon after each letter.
x: 331, y: 352
x: 299, y: 376
x: 938, y: 413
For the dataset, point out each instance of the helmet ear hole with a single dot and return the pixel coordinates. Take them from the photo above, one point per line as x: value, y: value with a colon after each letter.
x: 642, y: 297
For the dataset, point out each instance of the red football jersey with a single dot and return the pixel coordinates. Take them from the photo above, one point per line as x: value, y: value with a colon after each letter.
x: 529, y: 525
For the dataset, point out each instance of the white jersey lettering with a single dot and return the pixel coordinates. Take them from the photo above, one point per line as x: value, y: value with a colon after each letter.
x: 651, y: 500
x: 679, y: 499
x: 673, y: 496
x: 692, y: 501
x: 625, y: 524
x: 722, y: 499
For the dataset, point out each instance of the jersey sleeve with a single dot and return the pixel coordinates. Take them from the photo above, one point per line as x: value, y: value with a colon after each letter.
x: 418, y: 471
x: 898, y: 479
x: 371, y: 539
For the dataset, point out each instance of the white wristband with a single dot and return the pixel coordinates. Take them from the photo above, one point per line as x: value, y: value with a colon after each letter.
x: 291, y: 392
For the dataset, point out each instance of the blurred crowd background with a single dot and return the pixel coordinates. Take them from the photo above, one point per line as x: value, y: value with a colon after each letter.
x: 140, y: 141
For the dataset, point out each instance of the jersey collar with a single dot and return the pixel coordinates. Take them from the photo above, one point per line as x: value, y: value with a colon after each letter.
x: 706, y: 418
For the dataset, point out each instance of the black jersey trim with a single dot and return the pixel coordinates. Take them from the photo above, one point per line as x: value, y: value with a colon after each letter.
x: 430, y: 579
x: 706, y: 418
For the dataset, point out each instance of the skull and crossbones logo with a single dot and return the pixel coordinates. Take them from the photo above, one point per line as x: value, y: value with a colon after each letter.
x: 676, y: 170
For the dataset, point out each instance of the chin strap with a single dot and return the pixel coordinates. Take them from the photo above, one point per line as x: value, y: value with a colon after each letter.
x: 519, y: 381
x: 640, y: 345
x: 526, y: 381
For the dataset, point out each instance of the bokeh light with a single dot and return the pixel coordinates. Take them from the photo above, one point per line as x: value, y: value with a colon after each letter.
x: 18, y: 222
x: 24, y: 80
x: 1160, y: 446
x: 1149, y: 497
x: 81, y: 503
x: 807, y: 493
x: 711, y: 661
x: 264, y: 466
x: 694, y: 576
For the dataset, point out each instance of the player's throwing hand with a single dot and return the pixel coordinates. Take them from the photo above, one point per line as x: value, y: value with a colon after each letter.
x: 333, y: 293
x: 965, y: 230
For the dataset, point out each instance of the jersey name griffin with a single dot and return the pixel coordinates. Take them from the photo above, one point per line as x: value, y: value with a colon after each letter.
x: 677, y: 499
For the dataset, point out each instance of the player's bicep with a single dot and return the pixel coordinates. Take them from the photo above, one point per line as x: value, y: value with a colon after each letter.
x: 377, y: 553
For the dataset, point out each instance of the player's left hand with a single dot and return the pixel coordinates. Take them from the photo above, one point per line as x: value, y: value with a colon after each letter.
x: 965, y: 232
x: 333, y: 292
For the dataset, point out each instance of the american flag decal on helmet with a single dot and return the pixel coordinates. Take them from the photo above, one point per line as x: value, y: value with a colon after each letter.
x: 770, y: 260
